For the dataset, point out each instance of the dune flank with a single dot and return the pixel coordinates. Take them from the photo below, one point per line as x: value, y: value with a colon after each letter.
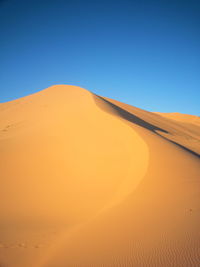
x: 90, y: 181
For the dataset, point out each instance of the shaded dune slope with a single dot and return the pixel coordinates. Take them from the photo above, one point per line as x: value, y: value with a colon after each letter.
x: 125, y: 181
x: 181, y: 129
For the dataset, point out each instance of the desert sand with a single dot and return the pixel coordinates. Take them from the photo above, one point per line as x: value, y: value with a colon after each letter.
x: 88, y: 181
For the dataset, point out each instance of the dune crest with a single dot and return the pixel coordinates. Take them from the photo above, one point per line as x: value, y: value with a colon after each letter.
x: 90, y: 181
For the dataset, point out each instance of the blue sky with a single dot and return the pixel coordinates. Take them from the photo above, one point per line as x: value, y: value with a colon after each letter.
x: 145, y: 53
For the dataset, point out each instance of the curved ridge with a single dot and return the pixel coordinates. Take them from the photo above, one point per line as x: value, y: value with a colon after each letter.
x: 131, y: 117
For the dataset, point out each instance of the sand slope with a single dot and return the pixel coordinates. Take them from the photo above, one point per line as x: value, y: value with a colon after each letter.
x: 90, y: 181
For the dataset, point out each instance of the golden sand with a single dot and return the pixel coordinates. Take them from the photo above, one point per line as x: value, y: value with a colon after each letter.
x: 90, y: 181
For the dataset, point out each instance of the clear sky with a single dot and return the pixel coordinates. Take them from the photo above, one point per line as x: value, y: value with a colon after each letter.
x: 145, y: 53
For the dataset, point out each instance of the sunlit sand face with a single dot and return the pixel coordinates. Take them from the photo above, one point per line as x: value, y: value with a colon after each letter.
x: 111, y: 184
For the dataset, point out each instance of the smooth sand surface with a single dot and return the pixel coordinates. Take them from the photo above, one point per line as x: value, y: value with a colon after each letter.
x: 90, y: 181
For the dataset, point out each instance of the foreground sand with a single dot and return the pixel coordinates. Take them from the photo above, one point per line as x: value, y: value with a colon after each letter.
x: 90, y: 181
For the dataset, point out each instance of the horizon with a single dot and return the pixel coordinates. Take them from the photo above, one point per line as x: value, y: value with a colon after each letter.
x: 143, y: 53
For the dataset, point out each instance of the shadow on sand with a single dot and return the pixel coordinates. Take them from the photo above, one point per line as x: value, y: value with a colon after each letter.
x: 132, y: 118
x: 136, y: 120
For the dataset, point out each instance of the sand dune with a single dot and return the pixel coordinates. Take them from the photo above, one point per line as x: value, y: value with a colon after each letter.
x: 90, y: 181
x: 186, y: 118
